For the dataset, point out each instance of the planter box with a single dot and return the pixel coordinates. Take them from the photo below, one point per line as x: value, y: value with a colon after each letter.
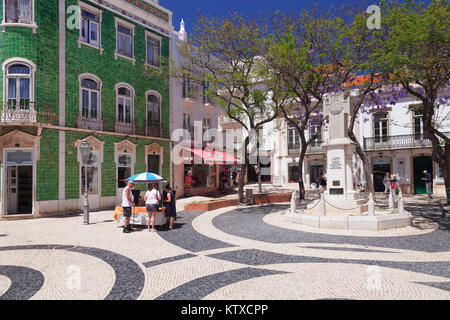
x: 272, y: 198
x: 211, y: 205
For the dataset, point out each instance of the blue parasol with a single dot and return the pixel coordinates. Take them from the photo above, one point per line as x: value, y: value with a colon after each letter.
x: 147, y: 178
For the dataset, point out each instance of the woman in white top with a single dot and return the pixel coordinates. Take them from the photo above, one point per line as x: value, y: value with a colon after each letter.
x: 152, y: 199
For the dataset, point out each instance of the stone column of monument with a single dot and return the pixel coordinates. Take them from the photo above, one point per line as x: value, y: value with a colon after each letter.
x: 340, y: 150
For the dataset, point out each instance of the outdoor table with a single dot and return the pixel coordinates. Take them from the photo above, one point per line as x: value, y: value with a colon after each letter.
x: 139, y: 217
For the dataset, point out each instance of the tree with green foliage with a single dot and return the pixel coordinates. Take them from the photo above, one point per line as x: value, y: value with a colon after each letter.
x: 228, y: 54
x: 415, y: 54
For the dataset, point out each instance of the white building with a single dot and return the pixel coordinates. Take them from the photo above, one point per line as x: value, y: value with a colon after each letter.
x: 193, y: 111
x: 394, y: 142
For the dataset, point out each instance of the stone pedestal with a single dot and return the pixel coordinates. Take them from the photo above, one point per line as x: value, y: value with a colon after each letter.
x: 341, y: 197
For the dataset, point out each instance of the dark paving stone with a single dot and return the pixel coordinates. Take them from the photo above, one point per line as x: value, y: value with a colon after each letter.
x: 185, y: 236
x: 200, y: 288
x: 439, y: 285
x: 25, y: 282
x: 168, y: 260
x: 348, y: 249
x: 130, y: 278
x: 254, y: 257
x: 248, y: 223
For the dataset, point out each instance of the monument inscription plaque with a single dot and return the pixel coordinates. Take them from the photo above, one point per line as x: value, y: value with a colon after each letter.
x: 336, y: 163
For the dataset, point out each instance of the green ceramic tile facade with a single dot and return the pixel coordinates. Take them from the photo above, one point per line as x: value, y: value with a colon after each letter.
x: 42, y: 48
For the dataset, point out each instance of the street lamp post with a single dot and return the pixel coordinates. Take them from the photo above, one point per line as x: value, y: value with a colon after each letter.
x: 85, y: 151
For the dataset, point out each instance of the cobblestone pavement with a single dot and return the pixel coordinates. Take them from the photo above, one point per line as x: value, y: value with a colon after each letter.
x: 232, y: 253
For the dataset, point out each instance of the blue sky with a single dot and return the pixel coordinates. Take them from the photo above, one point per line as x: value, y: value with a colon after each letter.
x: 188, y: 9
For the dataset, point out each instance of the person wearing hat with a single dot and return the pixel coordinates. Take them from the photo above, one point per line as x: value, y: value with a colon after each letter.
x: 127, y: 205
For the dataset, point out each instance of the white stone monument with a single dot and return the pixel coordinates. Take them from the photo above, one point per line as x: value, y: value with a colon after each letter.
x: 341, y: 189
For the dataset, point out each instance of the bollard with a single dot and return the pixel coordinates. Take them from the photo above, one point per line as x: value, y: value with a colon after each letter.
x: 294, y: 200
x: 323, y: 210
x: 391, y: 201
x: 401, y: 206
x: 371, y: 204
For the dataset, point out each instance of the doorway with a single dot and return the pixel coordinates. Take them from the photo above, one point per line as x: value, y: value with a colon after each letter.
x: 380, y: 167
x: 19, y: 185
x: 316, y: 170
x: 420, y: 165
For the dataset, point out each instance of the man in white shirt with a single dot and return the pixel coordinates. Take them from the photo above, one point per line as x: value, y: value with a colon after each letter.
x: 127, y: 205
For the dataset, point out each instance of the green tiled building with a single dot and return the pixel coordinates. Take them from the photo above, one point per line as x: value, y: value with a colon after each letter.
x: 74, y: 71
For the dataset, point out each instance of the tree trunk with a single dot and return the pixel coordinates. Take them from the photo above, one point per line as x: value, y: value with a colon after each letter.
x: 301, y: 184
x: 366, y: 163
x: 244, y: 167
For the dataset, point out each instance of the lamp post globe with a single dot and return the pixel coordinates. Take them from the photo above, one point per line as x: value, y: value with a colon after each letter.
x: 85, y: 151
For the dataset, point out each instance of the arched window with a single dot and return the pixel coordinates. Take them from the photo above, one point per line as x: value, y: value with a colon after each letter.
x: 153, y: 109
x: 153, y: 115
x: 18, y: 84
x: 90, y: 98
x: 124, y: 105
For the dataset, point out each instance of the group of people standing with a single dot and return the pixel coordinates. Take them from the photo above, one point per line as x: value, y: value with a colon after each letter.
x: 153, y: 201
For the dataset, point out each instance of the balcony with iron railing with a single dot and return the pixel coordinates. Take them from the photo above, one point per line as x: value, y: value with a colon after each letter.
x: 26, y: 112
x: 123, y: 127
x: 408, y: 141
x: 314, y: 148
x: 89, y: 123
x: 157, y: 130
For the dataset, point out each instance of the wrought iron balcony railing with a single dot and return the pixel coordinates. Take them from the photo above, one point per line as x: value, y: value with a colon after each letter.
x: 313, y: 148
x: 418, y: 140
x: 122, y: 127
x: 95, y: 124
x: 27, y: 112
x: 157, y: 130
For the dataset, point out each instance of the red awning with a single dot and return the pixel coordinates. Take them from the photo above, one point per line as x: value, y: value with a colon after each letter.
x: 214, y: 156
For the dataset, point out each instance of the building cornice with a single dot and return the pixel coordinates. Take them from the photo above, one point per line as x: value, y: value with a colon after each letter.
x: 138, y: 11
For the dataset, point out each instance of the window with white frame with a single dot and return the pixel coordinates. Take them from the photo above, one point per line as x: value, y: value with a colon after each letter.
x: 206, y: 128
x: 124, y: 169
x: 18, y: 11
x: 124, y: 39
x: 90, y: 26
x: 188, y: 89
x: 90, y: 98
x: 317, y: 130
x: 92, y: 175
x: 124, y: 105
x: 153, y: 110
x: 187, y: 132
x: 19, y: 84
x: 418, y: 123
x: 380, y: 127
x: 153, y: 51
x: 293, y: 136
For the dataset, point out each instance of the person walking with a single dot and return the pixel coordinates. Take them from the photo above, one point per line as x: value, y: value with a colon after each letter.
x: 387, y: 182
x: 127, y: 205
x: 152, y: 199
x: 170, y: 203
x: 234, y: 172
x: 428, y: 183
x: 323, y: 182
x: 188, y: 182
